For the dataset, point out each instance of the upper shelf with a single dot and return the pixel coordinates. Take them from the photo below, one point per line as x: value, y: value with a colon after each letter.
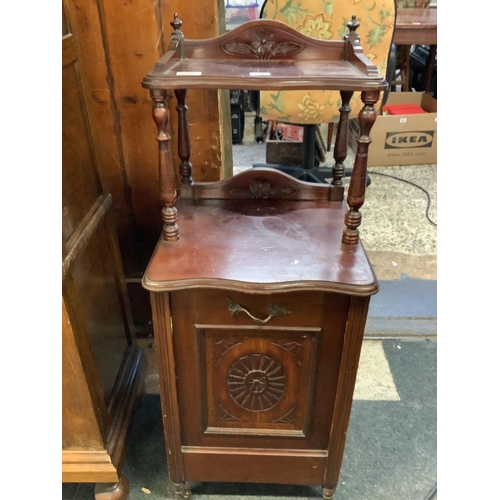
x: 265, y: 55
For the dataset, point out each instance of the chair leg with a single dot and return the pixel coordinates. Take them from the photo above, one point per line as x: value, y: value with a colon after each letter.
x: 329, y: 137
x: 405, y: 73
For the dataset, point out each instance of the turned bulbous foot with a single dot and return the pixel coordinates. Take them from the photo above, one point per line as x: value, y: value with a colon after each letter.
x: 113, y: 491
x: 180, y: 492
x: 328, y: 493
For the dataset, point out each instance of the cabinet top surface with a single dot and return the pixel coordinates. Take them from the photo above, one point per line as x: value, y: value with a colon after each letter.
x: 265, y: 55
x: 264, y: 245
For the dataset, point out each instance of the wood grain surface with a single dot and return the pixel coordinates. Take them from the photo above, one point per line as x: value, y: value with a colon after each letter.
x: 117, y: 44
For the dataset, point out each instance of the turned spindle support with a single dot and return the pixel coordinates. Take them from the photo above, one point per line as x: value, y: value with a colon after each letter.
x: 357, y: 185
x: 168, y: 192
x: 184, y: 144
x: 341, y: 139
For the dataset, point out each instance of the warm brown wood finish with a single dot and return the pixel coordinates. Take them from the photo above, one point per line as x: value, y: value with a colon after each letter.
x: 160, y: 304
x: 416, y: 26
x: 168, y: 192
x: 251, y: 57
x: 263, y: 54
x: 357, y: 186
x: 113, y: 491
x: 260, y: 301
x: 117, y: 43
x: 102, y: 368
x: 290, y: 245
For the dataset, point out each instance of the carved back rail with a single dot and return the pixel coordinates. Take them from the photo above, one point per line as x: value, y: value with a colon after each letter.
x: 262, y: 184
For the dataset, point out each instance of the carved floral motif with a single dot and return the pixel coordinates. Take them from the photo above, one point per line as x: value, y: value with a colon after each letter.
x: 256, y: 382
x: 261, y: 189
x: 263, y: 46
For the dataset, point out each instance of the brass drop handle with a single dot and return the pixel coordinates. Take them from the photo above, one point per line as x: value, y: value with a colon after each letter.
x: 274, y: 310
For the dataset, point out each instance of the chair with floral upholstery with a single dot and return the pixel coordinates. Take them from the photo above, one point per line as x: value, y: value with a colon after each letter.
x: 327, y: 19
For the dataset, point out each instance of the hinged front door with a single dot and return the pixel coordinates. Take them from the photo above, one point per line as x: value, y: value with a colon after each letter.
x: 247, y: 380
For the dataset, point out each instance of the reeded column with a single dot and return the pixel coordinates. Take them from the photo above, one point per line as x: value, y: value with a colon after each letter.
x: 168, y: 193
x: 341, y: 139
x: 357, y: 185
x: 184, y: 144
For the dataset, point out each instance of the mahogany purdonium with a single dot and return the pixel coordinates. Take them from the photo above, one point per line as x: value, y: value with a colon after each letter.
x: 259, y: 283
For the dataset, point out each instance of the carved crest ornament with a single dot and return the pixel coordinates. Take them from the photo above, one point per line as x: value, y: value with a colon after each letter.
x: 263, y: 46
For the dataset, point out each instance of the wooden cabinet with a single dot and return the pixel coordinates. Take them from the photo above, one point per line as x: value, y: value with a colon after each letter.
x: 101, y: 365
x: 259, y: 284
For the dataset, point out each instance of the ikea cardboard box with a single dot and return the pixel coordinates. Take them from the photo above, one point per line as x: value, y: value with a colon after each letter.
x: 402, y: 139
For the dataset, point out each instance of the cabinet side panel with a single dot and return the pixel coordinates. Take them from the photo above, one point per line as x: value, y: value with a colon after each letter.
x: 353, y: 338
x: 80, y: 429
x: 93, y: 273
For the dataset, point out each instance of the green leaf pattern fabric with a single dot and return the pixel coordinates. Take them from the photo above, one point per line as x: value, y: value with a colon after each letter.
x: 327, y: 20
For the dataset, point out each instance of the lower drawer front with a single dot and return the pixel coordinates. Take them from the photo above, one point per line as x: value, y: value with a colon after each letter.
x: 247, y: 383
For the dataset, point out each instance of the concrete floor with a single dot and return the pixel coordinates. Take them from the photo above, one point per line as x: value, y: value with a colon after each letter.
x: 391, y: 445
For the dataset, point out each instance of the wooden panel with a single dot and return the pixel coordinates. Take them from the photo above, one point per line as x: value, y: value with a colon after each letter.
x: 231, y: 465
x: 94, y: 277
x: 102, y: 370
x: 168, y: 388
x: 104, y: 119
x: 80, y: 424
x: 189, y: 310
x: 117, y: 44
x: 258, y: 381
x: 65, y: 25
x: 133, y: 44
x: 262, y: 184
x: 80, y: 183
x: 356, y: 320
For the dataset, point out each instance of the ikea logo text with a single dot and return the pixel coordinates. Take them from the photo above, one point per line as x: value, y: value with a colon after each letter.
x: 397, y: 140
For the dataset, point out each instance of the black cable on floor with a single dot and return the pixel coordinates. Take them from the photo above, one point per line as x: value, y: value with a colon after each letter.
x: 432, y: 493
x: 412, y: 184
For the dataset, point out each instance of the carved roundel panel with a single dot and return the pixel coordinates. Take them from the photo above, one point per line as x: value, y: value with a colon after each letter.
x: 256, y: 382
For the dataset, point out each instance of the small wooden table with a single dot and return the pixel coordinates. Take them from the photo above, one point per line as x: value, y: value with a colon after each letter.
x: 418, y: 26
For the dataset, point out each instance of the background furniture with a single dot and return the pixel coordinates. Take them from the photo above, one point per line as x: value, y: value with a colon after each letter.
x: 325, y: 20
x: 402, y: 73
x: 101, y: 365
x: 259, y: 286
x: 418, y: 26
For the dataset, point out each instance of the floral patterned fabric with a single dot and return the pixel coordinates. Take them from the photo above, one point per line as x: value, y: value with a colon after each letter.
x: 327, y: 20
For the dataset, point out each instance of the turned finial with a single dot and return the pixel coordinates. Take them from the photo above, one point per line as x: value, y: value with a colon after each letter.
x: 176, y: 23
x: 353, y: 25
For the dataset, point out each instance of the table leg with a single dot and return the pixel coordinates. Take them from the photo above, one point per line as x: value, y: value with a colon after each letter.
x: 430, y: 67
